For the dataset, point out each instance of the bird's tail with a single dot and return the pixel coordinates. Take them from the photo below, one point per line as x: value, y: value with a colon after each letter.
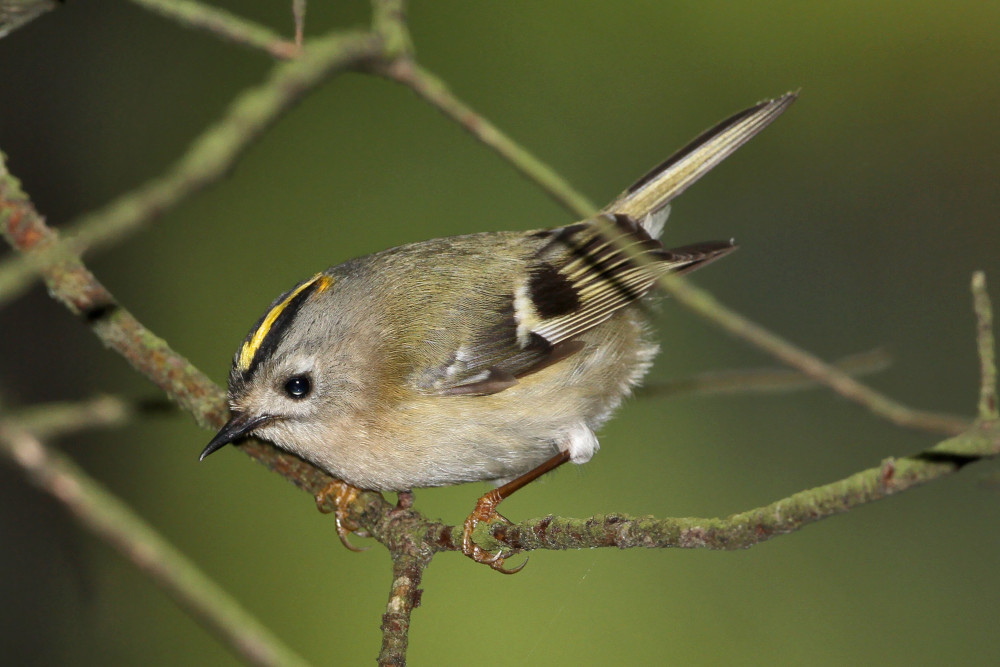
x: 647, y: 200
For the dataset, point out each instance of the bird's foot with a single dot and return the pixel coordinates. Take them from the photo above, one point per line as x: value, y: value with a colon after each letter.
x: 486, y: 510
x: 342, y: 494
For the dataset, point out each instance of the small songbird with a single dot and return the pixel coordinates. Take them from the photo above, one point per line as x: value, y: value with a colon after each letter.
x: 491, y: 356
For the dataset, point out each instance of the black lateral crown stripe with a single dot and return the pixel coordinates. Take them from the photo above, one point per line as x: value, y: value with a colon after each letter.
x: 278, y: 328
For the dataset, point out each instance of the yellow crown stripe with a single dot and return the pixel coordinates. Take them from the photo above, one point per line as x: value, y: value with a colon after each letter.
x: 251, y: 346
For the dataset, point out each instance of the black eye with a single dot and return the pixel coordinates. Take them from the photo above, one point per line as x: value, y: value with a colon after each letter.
x: 298, y: 386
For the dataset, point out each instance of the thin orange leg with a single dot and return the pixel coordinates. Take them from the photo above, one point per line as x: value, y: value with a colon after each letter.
x: 486, y: 511
x: 343, y: 495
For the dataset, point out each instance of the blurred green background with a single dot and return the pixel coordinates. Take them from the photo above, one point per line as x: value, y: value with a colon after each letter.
x: 861, y: 215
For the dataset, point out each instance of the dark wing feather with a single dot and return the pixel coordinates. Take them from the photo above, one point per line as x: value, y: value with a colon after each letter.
x: 602, y: 276
x: 492, y: 359
x: 575, y: 281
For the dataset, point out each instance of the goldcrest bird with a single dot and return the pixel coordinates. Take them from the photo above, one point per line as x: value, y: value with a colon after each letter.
x: 492, y: 356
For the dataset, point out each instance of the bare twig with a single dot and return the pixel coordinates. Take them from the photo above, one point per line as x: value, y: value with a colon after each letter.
x: 389, y: 22
x: 436, y: 93
x: 402, y: 530
x: 404, y: 597
x: 51, y: 420
x: 107, y: 516
x: 16, y: 14
x: 213, y: 153
x: 225, y: 25
x: 760, y: 380
x: 708, y: 306
x: 72, y: 284
x: 299, y: 17
x: 985, y: 344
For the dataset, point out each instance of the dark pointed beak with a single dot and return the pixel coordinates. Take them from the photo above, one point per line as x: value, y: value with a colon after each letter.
x: 240, y: 425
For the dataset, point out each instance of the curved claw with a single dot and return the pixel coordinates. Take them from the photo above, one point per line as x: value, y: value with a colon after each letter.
x: 344, y: 533
x: 485, y: 510
x: 343, y: 494
x: 497, y: 562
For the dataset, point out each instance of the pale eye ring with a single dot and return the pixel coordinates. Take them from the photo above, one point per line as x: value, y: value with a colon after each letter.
x: 298, y: 387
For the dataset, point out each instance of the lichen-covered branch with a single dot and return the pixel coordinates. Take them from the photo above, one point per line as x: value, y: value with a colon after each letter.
x: 708, y: 307
x: 743, y: 530
x: 406, y: 531
x: 404, y: 597
x: 74, y: 286
x: 389, y: 22
x: 15, y: 14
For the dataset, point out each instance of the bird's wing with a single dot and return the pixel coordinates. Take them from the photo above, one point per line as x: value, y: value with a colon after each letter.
x: 576, y: 279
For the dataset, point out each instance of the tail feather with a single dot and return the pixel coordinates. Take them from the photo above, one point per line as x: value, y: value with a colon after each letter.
x: 699, y: 254
x: 647, y: 198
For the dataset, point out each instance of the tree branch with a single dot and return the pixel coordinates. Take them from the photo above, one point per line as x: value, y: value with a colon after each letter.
x: 404, y: 597
x: 706, y: 305
x: 389, y: 21
x: 759, y: 380
x: 988, y: 407
x: 746, y: 529
x: 436, y: 93
x: 71, y: 284
x: 299, y: 19
x: 107, y: 516
x: 16, y: 14
x: 51, y: 420
x: 224, y: 24
x: 711, y: 309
